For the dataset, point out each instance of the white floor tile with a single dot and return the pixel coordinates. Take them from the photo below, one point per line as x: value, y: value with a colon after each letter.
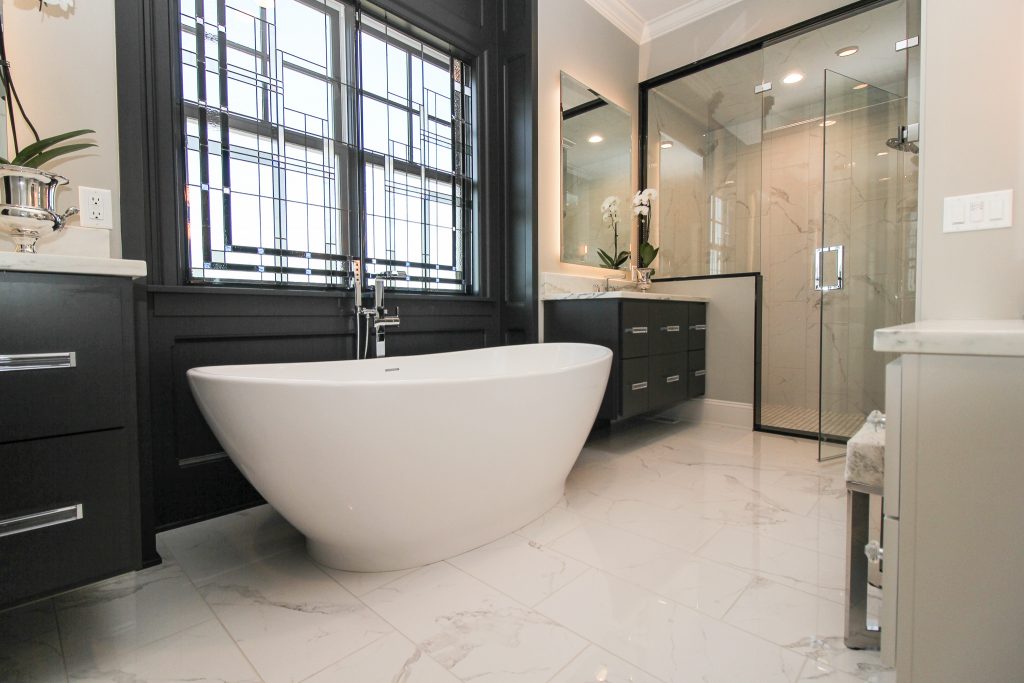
x: 556, y: 522
x: 672, y: 642
x: 202, y: 653
x: 520, y: 568
x: 361, y: 583
x: 472, y: 630
x: 392, y: 659
x: 830, y: 657
x: 100, y: 622
x: 806, y: 570
x: 597, y: 665
x: 209, y: 548
x: 784, y: 615
x: 289, y: 618
x: 30, y: 648
x: 670, y: 572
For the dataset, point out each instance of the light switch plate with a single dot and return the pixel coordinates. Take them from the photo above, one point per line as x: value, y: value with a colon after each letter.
x: 985, y: 211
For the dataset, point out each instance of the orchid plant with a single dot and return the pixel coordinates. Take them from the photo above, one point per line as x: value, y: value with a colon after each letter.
x: 43, y: 150
x: 642, y: 210
x: 610, y: 215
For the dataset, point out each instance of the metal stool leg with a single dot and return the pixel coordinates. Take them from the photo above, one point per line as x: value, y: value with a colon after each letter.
x: 857, y: 636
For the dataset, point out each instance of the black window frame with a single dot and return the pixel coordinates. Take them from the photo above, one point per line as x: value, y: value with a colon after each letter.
x: 164, y: 242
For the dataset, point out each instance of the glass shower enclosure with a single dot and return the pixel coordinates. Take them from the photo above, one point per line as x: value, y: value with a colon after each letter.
x: 791, y: 163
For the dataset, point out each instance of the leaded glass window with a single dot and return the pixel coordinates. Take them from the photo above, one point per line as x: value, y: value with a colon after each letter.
x: 316, y: 134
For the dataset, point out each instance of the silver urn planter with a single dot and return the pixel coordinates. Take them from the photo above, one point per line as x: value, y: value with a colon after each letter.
x: 28, y: 209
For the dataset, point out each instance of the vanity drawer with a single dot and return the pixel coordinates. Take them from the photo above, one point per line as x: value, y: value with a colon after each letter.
x: 68, y: 515
x: 697, y: 326
x: 636, y: 332
x: 668, y: 327
x: 668, y: 379
x: 62, y: 351
x: 636, y: 387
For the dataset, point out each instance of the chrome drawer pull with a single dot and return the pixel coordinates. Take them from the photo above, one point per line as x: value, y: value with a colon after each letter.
x: 699, y: 328
x: 637, y: 386
x: 670, y: 328
x: 636, y: 330
x: 671, y: 378
x: 36, y: 361
x: 700, y: 373
x: 38, y: 520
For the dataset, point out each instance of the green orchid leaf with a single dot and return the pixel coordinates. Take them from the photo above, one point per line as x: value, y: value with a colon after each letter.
x: 4, y: 161
x: 38, y: 160
x: 648, y: 253
x: 37, y: 147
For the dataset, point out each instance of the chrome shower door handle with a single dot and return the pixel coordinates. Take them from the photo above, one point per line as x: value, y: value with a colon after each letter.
x: 819, y: 258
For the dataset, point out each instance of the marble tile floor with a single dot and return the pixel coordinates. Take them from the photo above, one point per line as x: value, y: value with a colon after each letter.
x: 679, y: 553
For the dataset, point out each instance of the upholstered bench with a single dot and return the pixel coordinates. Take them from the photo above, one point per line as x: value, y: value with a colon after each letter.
x: 865, y: 466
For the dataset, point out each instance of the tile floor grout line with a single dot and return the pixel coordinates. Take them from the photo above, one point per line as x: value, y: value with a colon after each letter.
x: 60, y: 640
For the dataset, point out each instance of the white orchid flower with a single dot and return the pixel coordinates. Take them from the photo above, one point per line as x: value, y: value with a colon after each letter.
x: 610, y: 203
x: 64, y: 5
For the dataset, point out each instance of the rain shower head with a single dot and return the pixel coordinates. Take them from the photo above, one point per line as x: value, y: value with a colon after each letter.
x: 902, y: 145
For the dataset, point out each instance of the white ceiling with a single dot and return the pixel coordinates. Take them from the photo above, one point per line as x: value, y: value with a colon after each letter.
x: 645, y: 20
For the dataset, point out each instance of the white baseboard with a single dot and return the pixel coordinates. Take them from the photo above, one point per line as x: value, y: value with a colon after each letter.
x: 713, y: 411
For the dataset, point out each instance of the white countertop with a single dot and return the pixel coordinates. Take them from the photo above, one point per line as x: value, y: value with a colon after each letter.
x: 621, y: 294
x: 954, y: 337
x: 79, y: 265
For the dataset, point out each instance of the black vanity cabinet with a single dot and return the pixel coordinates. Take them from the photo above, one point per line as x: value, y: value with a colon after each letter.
x: 69, y: 501
x: 658, y: 348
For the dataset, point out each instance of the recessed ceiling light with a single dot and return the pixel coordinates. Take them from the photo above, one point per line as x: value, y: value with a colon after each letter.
x: 847, y: 51
x: 793, y: 77
x: 667, y: 144
x: 882, y: 154
x: 860, y: 86
x: 882, y: 180
x: 595, y: 138
x: 730, y: 182
x: 828, y: 122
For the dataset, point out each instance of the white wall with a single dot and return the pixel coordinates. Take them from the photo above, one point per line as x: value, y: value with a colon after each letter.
x: 972, y: 130
x: 65, y: 71
x: 574, y: 38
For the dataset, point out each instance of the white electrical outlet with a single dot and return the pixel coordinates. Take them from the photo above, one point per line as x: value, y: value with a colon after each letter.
x: 95, y: 208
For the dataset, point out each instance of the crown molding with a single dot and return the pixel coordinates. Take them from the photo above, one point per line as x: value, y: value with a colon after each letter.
x: 687, y: 13
x: 622, y: 16
x: 627, y: 20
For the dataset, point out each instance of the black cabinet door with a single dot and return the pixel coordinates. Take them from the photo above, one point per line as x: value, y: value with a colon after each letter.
x: 635, y: 329
x: 667, y: 379
x: 668, y: 327
x: 636, y: 388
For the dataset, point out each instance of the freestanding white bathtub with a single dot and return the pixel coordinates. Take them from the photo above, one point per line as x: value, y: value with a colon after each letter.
x: 393, y: 463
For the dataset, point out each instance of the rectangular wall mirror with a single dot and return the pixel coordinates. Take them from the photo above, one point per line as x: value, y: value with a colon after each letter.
x: 596, y: 166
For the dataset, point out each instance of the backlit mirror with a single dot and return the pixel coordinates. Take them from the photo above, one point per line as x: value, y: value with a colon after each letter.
x: 596, y: 167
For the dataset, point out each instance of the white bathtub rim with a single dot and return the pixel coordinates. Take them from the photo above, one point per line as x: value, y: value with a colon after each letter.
x: 220, y: 373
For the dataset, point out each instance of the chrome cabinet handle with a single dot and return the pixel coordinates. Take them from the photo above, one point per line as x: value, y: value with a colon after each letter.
x: 700, y: 373
x: 637, y: 386
x: 671, y: 378
x: 700, y: 328
x: 670, y: 328
x: 36, y: 361
x: 39, y: 520
x: 636, y: 330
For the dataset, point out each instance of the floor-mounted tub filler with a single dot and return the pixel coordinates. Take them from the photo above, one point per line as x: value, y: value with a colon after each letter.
x: 393, y: 463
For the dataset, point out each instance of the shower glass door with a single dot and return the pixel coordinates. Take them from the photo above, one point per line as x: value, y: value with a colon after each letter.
x: 863, y: 267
